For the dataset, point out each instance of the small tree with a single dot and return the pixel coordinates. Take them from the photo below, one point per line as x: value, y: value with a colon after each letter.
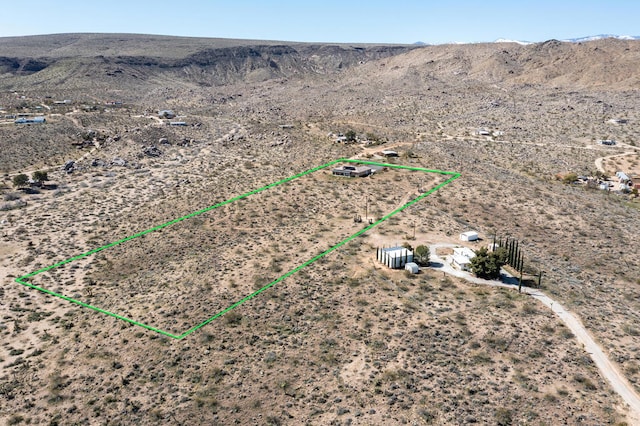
x: 20, y: 180
x: 350, y: 135
x: 40, y: 176
x: 421, y: 255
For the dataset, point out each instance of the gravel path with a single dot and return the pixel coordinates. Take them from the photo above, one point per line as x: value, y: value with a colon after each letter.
x: 608, y: 369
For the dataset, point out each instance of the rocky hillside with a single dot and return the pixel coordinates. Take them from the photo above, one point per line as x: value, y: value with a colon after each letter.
x: 135, y: 61
x: 123, y: 60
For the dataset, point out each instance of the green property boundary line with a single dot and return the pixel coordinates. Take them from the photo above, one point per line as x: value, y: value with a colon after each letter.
x: 23, y: 279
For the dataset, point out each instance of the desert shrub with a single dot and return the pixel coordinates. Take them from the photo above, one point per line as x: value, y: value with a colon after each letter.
x: 529, y: 309
x: 233, y: 317
x: 273, y: 421
x: 630, y: 329
x: 15, y: 419
x: 503, y: 417
x: 588, y: 384
x: 426, y: 415
x: 12, y: 196
x: 569, y: 178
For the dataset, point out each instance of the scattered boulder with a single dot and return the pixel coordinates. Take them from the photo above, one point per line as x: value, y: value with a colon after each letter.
x: 186, y: 142
x: 96, y: 162
x: 69, y: 166
x: 163, y: 141
x: 118, y: 162
x: 89, y: 135
x: 152, y: 151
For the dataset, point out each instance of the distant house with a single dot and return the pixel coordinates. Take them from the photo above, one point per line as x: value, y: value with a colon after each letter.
x: 166, y: 113
x: 469, y: 236
x: 618, y: 121
x: 395, y: 257
x: 178, y: 123
x: 30, y: 120
x: 389, y: 153
x: 483, y: 132
x: 622, y: 176
x: 608, y: 142
x: 352, y: 171
x: 461, y: 258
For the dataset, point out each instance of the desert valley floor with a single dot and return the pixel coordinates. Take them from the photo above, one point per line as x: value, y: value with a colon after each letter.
x: 141, y: 130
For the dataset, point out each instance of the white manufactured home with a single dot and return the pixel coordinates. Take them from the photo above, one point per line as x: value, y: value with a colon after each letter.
x: 461, y: 258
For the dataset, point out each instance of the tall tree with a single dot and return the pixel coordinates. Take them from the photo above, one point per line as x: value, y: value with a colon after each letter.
x: 487, y: 264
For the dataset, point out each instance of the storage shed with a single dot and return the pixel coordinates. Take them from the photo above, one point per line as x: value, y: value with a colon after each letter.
x: 469, y: 236
x: 395, y: 257
x: 412, y: 267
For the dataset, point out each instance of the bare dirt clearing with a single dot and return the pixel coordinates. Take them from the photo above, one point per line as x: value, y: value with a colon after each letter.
x: 179, y: 276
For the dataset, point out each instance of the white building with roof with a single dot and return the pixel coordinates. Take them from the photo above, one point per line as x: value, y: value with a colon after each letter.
x: 469, y: 236
x: 461, y: 258
x: 412, y: 267
x: 622, y: 176
x: 395, y: 257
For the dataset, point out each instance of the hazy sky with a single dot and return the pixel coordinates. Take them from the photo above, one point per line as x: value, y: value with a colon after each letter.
x: 391, y: 21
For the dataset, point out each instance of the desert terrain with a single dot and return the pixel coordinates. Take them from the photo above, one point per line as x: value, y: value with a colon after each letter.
x: 344, y: 340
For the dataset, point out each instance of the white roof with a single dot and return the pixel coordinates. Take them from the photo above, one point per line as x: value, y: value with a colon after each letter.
x: 461, y: 260
x: 394, y: 252
x: 465, y: 252
x: 622, y: 175
x: 469, y: 234
x: 411, y: 266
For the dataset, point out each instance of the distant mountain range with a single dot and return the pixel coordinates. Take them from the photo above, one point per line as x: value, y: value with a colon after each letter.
x: 569, y: 40
x: 576, y: 40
